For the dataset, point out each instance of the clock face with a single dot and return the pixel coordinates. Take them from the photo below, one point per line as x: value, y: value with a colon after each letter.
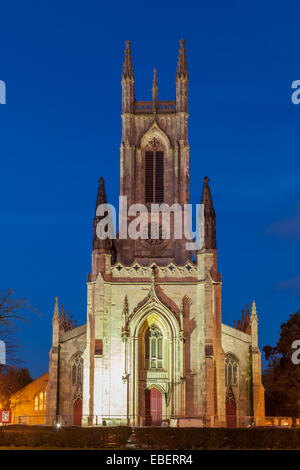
x: 157, y: 231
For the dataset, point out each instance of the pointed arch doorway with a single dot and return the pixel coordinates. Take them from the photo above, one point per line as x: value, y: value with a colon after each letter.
x: 231, y: 414
x: 153, y: 407
x: 230, y: 409
x: 77, y: 412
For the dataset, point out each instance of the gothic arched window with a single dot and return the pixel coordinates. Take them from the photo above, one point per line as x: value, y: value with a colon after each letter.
x: 154, y: 348
x: 76, y: 367
x: 231, y: 370
x: 40, y: 401
x: 154, y: 176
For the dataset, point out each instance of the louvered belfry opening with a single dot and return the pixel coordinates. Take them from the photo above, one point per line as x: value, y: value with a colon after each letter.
x: 154, y: 176
x: 159, y: 177
x: 149, y: 177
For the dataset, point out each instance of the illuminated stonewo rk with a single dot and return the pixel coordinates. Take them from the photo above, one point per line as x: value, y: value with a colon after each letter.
x: 154, y: 350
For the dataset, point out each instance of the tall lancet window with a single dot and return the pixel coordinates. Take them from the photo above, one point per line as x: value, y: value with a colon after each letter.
x: 231, y: 370
x: 77, y: 368
x: 154, y: 173
x: 154, y: 348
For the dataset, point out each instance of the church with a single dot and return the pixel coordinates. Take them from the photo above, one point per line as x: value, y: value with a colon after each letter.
x: 154, y: 350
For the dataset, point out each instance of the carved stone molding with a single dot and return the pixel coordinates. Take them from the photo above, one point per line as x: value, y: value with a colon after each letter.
x: 154, y: 143
x: 181, y: 336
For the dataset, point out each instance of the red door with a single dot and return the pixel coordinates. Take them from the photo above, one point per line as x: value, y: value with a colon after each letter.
x: 153, y: 407
x: 77, y: 412
x: 230, y: 414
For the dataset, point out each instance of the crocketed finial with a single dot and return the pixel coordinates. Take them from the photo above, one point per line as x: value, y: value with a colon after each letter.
x: 209, y: 217
x: 182, y: 62
x: 127, y: 64
x: 154, y: 90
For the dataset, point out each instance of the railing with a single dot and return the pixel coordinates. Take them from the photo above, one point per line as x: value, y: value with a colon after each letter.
x: 162, y: 107
x: 166, y: 107
x: 158, y: 420
x: 28, y: 420
x: 282, y: 422
x: 143, y: 107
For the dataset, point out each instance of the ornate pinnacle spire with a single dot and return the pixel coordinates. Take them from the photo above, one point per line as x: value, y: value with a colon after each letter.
x: 254, y: 325
x: 101, y: 197
x: 127, y: 64
x: 154, y: 79
x: 99, y: 243
x: 253, y: 312
x: 182, y: 62
x: 67, y: 320
x: 154, y: 90
x: 56, y: 310
x: 62, y: 319
x: 127, y: 86
x: 247, y: 313
x: 206, y: 198
x: 209, y: 217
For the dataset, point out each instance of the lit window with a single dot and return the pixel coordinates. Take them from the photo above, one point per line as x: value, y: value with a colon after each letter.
x: 40, y: 401
x: 154, y: 348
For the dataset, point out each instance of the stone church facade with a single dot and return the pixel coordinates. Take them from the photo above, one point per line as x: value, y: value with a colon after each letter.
x: 154, y: 350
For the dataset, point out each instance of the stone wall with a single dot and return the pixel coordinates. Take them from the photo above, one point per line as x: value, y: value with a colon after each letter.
x: 237, y: 343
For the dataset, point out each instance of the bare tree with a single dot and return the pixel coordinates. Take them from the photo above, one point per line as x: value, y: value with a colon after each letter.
x: 12, y: 309
x: 12, y: 312
x: 12, y: 379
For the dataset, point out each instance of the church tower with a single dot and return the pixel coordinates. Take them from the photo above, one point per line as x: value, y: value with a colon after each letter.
x: 154, y: 162
x: 150, y: 287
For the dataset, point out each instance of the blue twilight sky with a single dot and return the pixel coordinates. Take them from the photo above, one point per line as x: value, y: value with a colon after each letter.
x: 60, y: 131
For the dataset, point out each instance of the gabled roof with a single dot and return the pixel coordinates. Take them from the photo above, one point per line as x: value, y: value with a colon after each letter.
x: 157, y: 293
x: 42, y: 381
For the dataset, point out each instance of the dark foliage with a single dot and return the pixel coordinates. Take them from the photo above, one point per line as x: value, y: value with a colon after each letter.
x: 12, y: 379
x: 150, y: 438
x: 217, y: 438
x: 282, y: 377
x: 12, y: 312
x: 65, y: 437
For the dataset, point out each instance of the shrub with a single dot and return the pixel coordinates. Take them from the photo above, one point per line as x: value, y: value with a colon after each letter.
x: 217, y: 438
x: 65, y: 437
x: 150, y: 438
